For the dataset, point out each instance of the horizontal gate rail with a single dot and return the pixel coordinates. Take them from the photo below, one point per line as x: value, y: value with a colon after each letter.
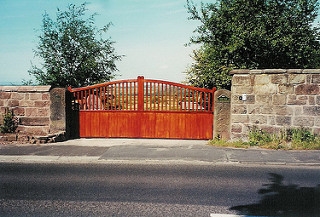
x: 143, y: 95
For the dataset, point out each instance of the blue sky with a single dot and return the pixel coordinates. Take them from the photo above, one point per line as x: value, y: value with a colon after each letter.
x: 150, y: 33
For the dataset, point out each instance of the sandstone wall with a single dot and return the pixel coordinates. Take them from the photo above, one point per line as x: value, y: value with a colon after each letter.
x: 40, y: 110
x: 274, y: 99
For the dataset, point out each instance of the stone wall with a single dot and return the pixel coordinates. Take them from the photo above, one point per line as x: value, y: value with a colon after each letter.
x: 274, y: 99
x: 40, y: 110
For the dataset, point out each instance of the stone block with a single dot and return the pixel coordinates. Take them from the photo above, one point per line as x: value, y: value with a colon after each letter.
x: 279, y: 99
x: 279, y: 79
x: 271, y: 120
x: 236, y: 128
x: 283, y: 110
x: 269, y: 129
x: 241, y: 80
x: 239, y: 109
x: 37, y: 112
x: 35, y: 121
x: 267, y: 110
x: 265, y: 89
x: 294, y: 71
x: 45, y: 96
x: 307, y: 89
x: 262, y: 80
x: 239, y: 118
x: 297, y: 78
x: 311, y: 110
x: 242, y: 89
x: 42, y: 103
x: 311, y: 71
x: 5, y: 95
x: 303, y: 121
x: 283, y: 120
x: 18, y: 96
x: 258, y: 119
x: 254, y: 109
x: 265, y: 99
x: 12, y: 103
x: 318, y: 100
x: 312, y: 100
x: 19, y: 111
x: 295, y: 100
x: 27, y: 103
x: 35, y: 96
x: 315, y: 79
x: 274, y: 71
x: 36, y: 130
x: 286, y: 88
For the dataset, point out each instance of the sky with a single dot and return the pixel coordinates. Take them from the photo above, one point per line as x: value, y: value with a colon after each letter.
x: 150, y: 33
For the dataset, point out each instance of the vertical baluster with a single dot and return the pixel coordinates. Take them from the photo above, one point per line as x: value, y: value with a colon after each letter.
x: 127, y: 96
x: 111, y: 96
x: 196, y: 100
x: 122, y: 95
x: 104, y: 97
x: 118, y: 101
x: 146, y: 96
x: 158, y: 94
x: 131, y: 95
x: 150, y: 96
x: 208, y: 100
x: 134, y: 95
x: 200, y: 101
x: 186, y: 101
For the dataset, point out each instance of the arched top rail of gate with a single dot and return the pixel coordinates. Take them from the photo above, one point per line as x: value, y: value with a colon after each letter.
x: 143, y: 95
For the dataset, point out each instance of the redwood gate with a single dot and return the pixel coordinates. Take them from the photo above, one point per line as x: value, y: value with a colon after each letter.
x: 144, y: 108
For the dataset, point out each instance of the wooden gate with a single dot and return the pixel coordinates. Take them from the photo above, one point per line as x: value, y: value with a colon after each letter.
x: 144, y: 108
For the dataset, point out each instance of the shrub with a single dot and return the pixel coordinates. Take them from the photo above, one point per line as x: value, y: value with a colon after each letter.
x: 10, y: 122
x: 258, y: 137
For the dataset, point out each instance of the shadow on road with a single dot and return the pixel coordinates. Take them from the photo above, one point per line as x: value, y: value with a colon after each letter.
x: 279, y: 199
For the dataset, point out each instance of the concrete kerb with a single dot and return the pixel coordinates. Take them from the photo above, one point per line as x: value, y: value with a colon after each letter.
x: 105, y: 142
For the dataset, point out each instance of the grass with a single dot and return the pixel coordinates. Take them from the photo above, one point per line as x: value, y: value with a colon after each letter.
x: 289, y: 139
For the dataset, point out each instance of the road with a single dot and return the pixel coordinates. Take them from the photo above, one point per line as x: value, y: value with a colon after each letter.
x: 149, y: 190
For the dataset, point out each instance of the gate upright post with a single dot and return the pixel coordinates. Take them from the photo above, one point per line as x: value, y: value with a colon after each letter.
x: 140, y: 93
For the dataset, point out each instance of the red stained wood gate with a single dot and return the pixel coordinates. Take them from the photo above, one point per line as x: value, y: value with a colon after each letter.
x: 144, y: 108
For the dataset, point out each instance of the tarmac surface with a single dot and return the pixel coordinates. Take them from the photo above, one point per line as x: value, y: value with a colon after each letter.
x: 150, y: 151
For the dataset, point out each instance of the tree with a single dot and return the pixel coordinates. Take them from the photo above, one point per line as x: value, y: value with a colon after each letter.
x: 73, y: 50
x: 237, y: 34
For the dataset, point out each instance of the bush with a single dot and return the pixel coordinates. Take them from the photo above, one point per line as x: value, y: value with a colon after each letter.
x: 259, y: 137
x: 10, y: 122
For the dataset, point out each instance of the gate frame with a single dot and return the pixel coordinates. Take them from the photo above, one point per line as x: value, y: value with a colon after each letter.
x: 195, y: 121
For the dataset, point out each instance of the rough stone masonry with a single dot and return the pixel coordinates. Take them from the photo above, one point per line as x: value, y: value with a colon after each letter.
x: 273, y: 100
x: 40, y: 110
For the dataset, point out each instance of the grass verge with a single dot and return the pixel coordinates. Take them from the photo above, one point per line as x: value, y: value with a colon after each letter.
x: 288, y: 139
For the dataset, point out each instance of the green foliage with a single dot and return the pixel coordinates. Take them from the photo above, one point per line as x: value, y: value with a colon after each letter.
x: 73, y: 50
x: 237, y: 34
x: 259, y: 137
x: 292, y: 138
x: 10, y: 123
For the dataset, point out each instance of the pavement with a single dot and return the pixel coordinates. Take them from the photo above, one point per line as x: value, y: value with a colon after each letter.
x: 150, y: 151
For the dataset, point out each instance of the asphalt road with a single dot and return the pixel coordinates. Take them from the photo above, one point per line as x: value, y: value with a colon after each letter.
x: 154, y: 190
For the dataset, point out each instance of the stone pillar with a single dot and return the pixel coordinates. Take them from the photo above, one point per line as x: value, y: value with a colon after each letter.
x: 58, y: 110
x: 222, y: 104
